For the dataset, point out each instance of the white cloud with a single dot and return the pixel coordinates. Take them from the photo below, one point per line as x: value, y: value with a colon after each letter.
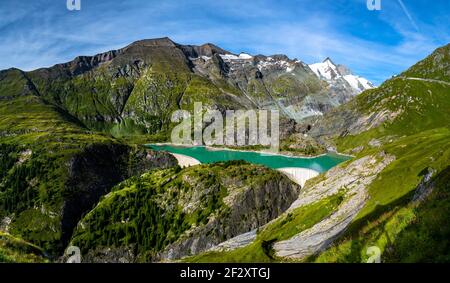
x: 36, y: 38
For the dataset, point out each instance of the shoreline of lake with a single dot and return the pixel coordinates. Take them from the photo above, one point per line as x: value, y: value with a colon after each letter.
x: 211, y: 148
x: 206, y: 155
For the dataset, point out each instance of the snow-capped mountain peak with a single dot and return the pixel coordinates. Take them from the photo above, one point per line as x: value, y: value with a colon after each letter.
x: 340, y: 76
x: 281, y: 82
x: 325, y: 70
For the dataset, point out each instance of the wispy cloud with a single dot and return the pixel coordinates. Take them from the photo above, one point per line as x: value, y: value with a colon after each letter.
x: 374, y: 44
x: 413, y: 23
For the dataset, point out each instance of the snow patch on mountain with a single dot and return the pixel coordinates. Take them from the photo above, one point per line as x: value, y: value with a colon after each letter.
x: 242, y: 56
x: 325, y: 70
x: 245, y: 56
x: 358, y: 82
x: 271, y: 63
x: 340, y: 76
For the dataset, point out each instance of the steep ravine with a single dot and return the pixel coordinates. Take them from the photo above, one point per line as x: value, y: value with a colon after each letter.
x: 169, y: 214
x: 95, y: 171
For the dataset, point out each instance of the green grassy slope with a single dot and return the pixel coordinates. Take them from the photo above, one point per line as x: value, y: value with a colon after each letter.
x: 158, y: 208
x: 283, y: 228
x: 134, y: 91
x: 416, y: 130
x: 436, y: 66
x: 419, y: 137
x: 37, y: 140
x: 15, y: 250
x: 52, y: 167
x: 389, y: 210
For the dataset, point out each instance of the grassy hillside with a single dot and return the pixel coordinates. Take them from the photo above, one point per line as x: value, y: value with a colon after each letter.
x: 436, y: 66
x: 211, y: 202
x: 409, y: 231
x: 59, y: 164
x: 52, y: 167
x: 283, y: 228
x: 131, y: 91
x: 408, y: 119
x: 417, y: 132
x: 15, y: 250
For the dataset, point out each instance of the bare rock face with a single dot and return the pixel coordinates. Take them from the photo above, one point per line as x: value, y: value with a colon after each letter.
x: 354, y: 179
x: 236, y: 242
x: 268, y: 82
x: 4, y: 224
x: 250, y: 208
x: 202, y: 206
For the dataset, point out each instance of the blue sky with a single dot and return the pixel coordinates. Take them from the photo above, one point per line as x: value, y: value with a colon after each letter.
x: 374, y: 44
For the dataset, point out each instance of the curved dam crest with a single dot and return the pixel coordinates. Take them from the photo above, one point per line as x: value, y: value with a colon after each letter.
x: 298, y: 169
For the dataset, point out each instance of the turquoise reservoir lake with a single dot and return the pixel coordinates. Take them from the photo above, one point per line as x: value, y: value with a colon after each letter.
x: 205, y: 155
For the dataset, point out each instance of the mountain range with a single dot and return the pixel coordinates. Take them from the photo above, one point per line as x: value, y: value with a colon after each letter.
x: 134, y: 89
x: 73, y: 169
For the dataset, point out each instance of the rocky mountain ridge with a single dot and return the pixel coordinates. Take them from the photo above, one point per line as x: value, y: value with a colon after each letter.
x: 133, y: 90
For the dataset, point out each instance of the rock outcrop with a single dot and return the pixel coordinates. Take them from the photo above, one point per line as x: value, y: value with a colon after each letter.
x: 202, y: 205
x: 353, y: 179
x: 249, y: 209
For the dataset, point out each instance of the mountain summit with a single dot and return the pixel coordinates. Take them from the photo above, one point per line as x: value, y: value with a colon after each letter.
x: 134, y: 89
x: 340, y: 77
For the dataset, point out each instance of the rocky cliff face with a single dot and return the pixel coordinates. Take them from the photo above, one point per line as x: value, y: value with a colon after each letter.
x: 170, y: 214
x: 274, y: 82
x: 249, y: 209
x: 96, y: 170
